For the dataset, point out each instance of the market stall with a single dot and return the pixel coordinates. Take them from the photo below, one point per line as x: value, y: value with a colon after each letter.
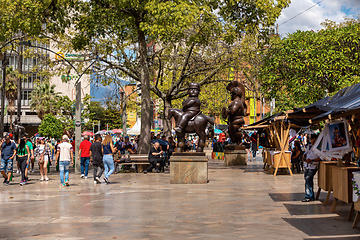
x: 276, y: 154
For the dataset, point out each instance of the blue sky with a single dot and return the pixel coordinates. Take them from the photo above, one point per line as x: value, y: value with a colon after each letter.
x: 334, y: 10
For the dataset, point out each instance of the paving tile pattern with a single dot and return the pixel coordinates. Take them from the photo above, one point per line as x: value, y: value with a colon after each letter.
x: 239, y: 202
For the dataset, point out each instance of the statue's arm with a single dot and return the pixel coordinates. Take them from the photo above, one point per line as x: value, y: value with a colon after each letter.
x: 234, y: 108
x: 188, y: 103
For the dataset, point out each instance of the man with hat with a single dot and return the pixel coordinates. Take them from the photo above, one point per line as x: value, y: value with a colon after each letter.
x: 7, y: 152
x: 191, y: 106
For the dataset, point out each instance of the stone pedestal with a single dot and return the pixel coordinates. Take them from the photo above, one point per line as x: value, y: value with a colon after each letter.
x: 235, y: 155
x: 188, y: 168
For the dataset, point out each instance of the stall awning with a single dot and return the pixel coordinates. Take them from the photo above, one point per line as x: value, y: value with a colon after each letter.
x: 344, y: 103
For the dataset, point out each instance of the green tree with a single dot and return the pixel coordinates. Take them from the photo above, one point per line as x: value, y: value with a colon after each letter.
x: 44, y: 100
x: 51, y: 127
x: 306, y: 65
x: 127, y: 29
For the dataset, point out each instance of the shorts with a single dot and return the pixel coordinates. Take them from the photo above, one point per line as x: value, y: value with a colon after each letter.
x: 6, y: 165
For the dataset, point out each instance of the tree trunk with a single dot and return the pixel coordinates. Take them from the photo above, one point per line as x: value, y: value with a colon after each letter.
x: 166, y: 120
x: 20, y: 64
x: 4, y: 63
x: 124, y: 118
x: 144, y: 141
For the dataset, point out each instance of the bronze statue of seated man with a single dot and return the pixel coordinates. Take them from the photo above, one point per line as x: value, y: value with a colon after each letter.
x: 191, y: 107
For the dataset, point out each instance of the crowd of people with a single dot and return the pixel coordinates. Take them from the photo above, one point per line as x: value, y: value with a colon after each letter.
x: 105, y: 153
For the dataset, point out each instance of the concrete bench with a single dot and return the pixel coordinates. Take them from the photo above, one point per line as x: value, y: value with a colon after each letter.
x: 141, y: 161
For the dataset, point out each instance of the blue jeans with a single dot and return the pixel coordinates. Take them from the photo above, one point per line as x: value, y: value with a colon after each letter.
x: 6, y: 165
x: 84, y: 162
x: 64, y: 168
x: 309, y: 183
x: 109, y: 165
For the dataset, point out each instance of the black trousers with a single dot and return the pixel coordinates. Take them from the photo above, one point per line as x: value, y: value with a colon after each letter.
x: 22, y: 165
x: 98, y: 170
x: 153, y: 164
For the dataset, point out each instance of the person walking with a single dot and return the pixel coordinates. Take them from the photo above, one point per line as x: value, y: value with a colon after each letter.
x: 311, y: 166
x: 84, y: 156
x: 32, y: 158
x: 108, y: 149
x: 65, y: 151
x: 7, y: 152
x: 96, y: 158
x: 43, y: 153
x: 247, y: 144
x: 154, y: 157
x: 23, y: 158
x: 254, y: 146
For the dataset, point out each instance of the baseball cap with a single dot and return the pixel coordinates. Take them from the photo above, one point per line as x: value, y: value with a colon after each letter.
x: 7, y: 137
x: 65, y: 137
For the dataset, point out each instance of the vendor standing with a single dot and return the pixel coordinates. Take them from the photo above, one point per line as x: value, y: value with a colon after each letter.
x: 311, y: 166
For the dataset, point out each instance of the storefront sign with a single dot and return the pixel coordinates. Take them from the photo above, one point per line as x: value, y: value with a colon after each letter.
x: 69, y: 56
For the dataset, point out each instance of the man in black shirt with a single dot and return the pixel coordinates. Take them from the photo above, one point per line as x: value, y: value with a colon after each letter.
x: 96, y: 158
x: 154, y: 157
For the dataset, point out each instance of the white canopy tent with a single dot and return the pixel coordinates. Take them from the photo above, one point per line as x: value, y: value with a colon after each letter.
x: 135, y: 130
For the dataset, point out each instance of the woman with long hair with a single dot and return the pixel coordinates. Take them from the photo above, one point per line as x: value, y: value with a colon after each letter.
x: 42, y: 153
x: 107, y: 147
x: 22, y: 157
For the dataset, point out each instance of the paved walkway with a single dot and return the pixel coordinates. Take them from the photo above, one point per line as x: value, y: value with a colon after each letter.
x: 238, y: 202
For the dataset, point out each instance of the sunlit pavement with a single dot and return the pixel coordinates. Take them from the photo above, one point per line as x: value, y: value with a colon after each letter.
x: 238, y: 202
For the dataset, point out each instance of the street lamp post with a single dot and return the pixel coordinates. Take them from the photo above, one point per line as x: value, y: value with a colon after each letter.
x: 77, y: 101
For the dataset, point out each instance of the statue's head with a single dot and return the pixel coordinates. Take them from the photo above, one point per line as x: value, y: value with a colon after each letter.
x: 236, y: 89
x: 194, y: 89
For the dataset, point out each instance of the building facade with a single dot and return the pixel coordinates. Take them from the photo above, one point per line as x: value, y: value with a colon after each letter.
x: 31, y: 70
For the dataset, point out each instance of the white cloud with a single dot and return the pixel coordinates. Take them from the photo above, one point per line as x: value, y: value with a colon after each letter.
x: 334, y: 10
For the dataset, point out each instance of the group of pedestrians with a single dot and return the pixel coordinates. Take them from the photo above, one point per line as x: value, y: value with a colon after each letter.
x: 100, y: 153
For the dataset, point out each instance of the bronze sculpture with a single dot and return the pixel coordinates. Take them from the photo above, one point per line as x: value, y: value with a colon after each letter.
x: 236, y: 110
x: 190, y: 119
x: 19, y: 130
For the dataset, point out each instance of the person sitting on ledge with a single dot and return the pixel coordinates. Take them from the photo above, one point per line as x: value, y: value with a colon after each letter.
x: 154, y: 157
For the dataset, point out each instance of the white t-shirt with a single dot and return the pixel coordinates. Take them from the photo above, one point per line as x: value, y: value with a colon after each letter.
x: 65, y: 149
x: 311, y: 155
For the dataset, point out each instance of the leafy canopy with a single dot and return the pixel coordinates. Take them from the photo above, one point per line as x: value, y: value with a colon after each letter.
x: 306, y: 65
x: 51, y: 127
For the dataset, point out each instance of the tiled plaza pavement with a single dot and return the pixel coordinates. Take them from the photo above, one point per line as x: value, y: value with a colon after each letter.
x: 238, y: 202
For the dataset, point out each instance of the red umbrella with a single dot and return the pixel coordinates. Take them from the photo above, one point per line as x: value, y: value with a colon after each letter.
x: 117, y: 131
x: 88, y: 133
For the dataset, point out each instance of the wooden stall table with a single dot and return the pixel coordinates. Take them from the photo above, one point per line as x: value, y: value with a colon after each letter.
x: 281, y: 161
x: 267, y: 158
x: 342, y: 188
x: 324, y: 179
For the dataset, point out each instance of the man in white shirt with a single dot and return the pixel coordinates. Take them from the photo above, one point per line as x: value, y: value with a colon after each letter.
x: 65, y: 150
x: 311, y: 166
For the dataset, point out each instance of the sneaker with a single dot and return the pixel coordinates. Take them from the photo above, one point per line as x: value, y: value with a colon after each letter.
x: 97, y: 180
x: 42, y: 179
x: 67, y: 184
x: 7, y: 183
x: 106, y: 180
x: 4, y: 180
x: 18, y: 171
x: 22, y: 183
x: 85, y: 177
x: 46, y: 179
x: 306, y: 200
x: 82, y: 176
x: 62, y: 185
x: 145, y: 172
